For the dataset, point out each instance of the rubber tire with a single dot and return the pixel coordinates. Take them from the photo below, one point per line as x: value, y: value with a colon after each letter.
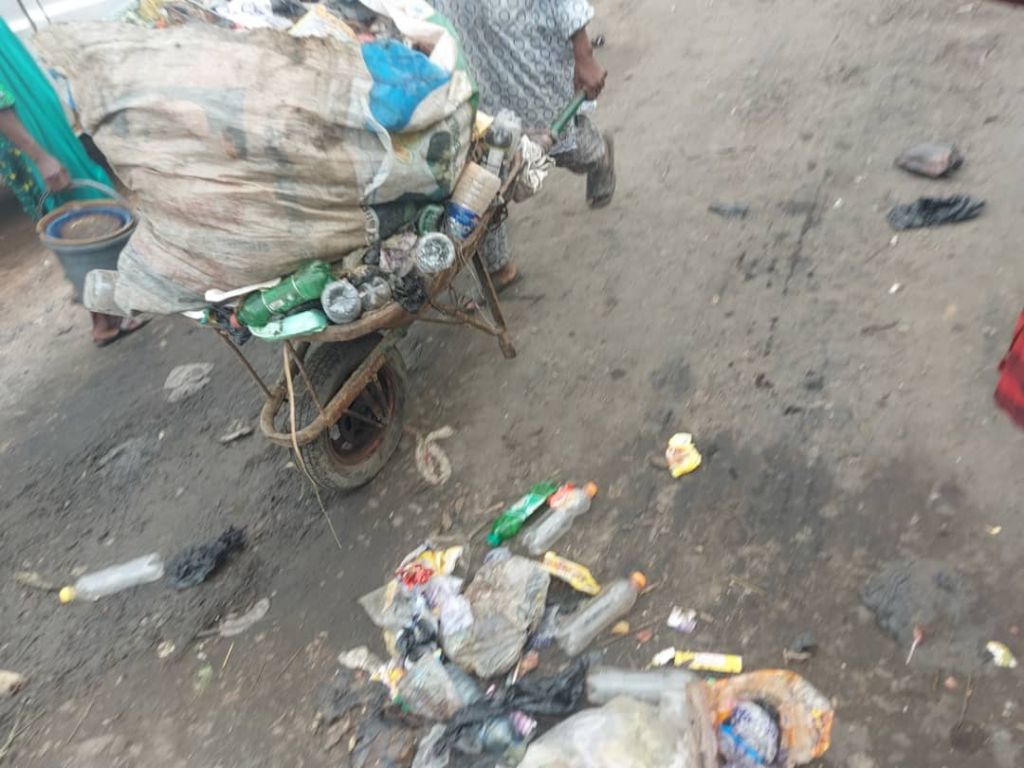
x: 329, y: 367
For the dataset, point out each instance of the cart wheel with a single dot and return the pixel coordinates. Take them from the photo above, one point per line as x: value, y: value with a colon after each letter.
x: 361, y: 442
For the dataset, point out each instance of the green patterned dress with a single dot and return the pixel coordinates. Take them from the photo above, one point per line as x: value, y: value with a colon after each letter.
x: 15, y: 168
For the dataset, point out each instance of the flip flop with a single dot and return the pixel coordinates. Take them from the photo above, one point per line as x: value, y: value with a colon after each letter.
x: 601, y: 182
x: 128, y: 326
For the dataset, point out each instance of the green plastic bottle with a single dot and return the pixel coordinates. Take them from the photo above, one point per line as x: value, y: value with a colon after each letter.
x: 304, y: 285
x: 512, y: 519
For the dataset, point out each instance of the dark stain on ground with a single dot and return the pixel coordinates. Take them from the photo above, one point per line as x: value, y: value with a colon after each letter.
x: 672, y: 377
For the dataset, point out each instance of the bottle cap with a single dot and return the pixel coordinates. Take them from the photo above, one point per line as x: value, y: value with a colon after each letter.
x: 590, y: 489
x: 494, y: 539
x: 66, y: 594
x: 638, y: 580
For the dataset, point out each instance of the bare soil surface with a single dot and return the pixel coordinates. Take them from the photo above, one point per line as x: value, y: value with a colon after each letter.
x: 845, y: 425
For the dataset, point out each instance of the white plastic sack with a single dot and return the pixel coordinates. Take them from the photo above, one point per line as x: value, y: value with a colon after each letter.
x: 252, y: 152
x: 626, y: 733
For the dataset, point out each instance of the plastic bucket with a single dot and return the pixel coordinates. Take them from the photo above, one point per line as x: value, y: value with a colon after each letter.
x: 87, y: 234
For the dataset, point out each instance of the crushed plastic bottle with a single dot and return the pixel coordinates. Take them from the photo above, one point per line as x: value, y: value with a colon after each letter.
x: 567, y: 503
x: 341, y: 301
x: 614, y: 602
x: 606, y: 683
x: 93, y: 586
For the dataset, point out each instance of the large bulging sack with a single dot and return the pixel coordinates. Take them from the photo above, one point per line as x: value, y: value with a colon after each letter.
x: 251, y: 152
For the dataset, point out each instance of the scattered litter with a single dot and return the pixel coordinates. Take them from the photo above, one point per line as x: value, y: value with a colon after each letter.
x: 804, y: 715
x: 507, y: 601
x: 121, y: 464
x: 697, y: 661
x: 192, y: 565
x: 930, y: 159
x: 905, y: 594
x: 10, y: 683
x: 34, y: 580
x: 360, y: 657
x: 565, y: 505
x: 837, y: 204
x: 165, y: 649
x: 574, y: 574
x: 599, y: 613
x: 114, y: 578
x: 427, y: 753
x: 546, y: 630
x: 801, y: 649
x: 428, y: 690
x: 203, y: 677
x: 993, y: 530
x: 644, y: 636
x: 1001, y: 655
x: 730, y: 210
x: 918, y: 639
x: 895, y: 288
x: 185, y: 380
x: 682, y: 621
x: 625, y: 731
x: 432, y: 462
x: 620, y: 629
x: 236, y: 623
x: 598, y: 41
x: 529, y: 662
x: 749, y: 737
x: 934, y: 211
x: 950, y: 683
x: 511, y: 520
x: 236, y: 431
x: 607, y: 683
x: 682, y: 455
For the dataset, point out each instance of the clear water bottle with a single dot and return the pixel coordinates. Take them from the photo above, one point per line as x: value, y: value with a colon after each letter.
x: 605, y: 683
x: 614, y: 602
x: 568, y: 503
x: 93, y: 586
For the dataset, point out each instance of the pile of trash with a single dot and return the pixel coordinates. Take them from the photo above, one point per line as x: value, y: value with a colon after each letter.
x: 298, y: 153
x: 460, y: 684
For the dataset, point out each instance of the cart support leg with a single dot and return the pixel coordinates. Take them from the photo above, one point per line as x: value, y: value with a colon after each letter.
x: 494, y: 305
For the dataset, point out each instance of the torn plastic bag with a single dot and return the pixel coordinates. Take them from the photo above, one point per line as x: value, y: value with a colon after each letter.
x: 507, y: 602
x: 428, y: 690
x: 626, y: 733
x: 934, y: 211
x: 805, y: 715
x: 193, y: 564
x: 393, y: 607
x: 556, y: 695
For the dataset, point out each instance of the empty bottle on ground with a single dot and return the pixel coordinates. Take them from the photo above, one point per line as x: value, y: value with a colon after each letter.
x: 615, y: 601
x: 566, y: 504
x: 607, y: 683
x: 93, y: 586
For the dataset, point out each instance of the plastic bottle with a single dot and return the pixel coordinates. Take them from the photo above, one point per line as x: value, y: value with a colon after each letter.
x: 98, y: 293
x: 567, y: 503
x: 512, y: 519
x: 605, y: 683
x: 614, y: 602
x: 472, y: 196
x: 341, y: 302
x: 501, y: 141
x: 93, y: 586
x: 304, y: 285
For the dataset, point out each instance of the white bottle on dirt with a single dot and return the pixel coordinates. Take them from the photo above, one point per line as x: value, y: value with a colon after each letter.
x: 607, y: 683
x: 615, y: 601
x: 566, y: 504
x: 93, y: 586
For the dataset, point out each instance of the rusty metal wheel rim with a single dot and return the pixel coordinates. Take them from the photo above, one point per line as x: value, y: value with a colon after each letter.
x: 360, y: 431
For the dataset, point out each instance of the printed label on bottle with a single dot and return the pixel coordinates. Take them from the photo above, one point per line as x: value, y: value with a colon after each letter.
x: 461, y: 220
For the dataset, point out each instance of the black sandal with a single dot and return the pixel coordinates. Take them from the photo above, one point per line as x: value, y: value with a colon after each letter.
x: 601, y: 181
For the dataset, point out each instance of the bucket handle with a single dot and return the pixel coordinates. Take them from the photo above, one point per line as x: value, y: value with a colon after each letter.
x: 83, y: 184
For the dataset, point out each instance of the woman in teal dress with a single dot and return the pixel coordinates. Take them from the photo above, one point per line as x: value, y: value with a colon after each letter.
x: 40, y: 154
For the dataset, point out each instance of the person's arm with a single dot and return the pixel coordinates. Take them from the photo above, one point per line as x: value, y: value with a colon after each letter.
x: 590, y: 75
x: 55, y: 175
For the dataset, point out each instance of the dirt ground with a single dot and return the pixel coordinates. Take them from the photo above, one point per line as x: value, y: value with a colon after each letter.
x: 843, y: 425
